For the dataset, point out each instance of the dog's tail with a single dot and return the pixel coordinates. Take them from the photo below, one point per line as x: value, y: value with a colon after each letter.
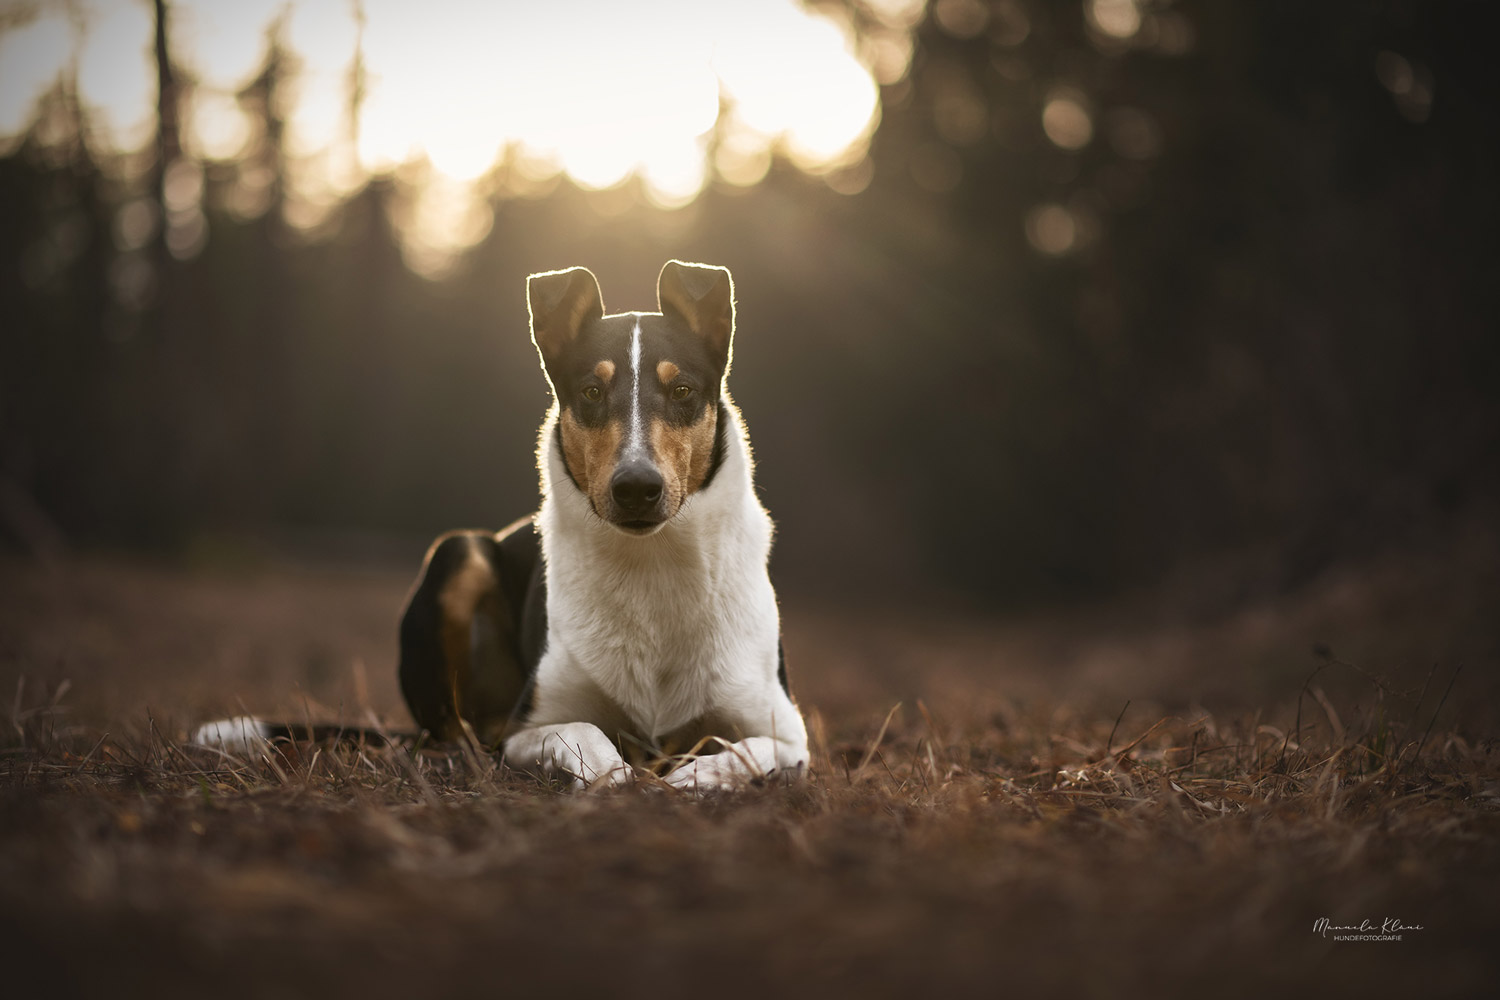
x: 246, y: 736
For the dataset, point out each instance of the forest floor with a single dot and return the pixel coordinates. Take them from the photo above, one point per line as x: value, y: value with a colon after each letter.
x: 1122, y: 800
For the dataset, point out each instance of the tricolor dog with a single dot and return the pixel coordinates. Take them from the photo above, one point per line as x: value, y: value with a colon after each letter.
x: 632, y: 619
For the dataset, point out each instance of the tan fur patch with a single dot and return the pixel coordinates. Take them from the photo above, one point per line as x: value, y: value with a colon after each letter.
x: 605, y: 370
x: 590, y: 453
x: 666, y: 371
x: 461, y: 596
x: 481, y: 676
x: 684, y: 454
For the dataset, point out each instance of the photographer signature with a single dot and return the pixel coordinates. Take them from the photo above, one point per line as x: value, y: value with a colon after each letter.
x: 1389, y: 929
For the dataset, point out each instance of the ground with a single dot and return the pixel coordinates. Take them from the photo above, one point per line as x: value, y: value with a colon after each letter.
x: 1156, y: 795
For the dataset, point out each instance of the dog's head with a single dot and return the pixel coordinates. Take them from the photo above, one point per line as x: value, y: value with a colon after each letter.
x: 638, y: 394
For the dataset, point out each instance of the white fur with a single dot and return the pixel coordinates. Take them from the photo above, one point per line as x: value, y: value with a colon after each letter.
x: 660, y: 629
x: 635, y: 444
x: 243, y: 735
x: 739, y: 762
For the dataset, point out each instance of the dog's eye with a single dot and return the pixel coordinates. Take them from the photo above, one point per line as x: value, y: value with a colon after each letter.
x: 682, y: 391
x: 593, y: 394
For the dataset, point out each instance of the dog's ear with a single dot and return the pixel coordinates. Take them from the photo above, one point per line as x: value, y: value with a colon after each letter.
x: 561, y: 302
x: 702, y: 296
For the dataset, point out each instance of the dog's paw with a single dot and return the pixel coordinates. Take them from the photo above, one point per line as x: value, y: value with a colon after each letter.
x: 623, y: 774
x: 737, y: 765
x: 243, y: 735
x: 578, y: 751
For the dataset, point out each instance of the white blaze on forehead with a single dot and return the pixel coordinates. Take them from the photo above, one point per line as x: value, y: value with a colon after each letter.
x: 635, y: 440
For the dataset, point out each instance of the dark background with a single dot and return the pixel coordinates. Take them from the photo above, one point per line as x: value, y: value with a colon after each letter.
x: 1271, y: 351
x: 1156, y: 577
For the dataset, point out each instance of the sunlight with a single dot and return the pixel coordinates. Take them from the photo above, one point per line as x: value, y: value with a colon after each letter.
x: 320, y: 99
x: 440, y: 219
x: 117, y: 74
x: 217, y: 128
x: 814, y: 95
x: 223, y: 45
x: 32, y: 57
x: 599, y: 93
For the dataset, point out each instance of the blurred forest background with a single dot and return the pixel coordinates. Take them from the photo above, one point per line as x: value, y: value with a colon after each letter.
x: 1086, y: 293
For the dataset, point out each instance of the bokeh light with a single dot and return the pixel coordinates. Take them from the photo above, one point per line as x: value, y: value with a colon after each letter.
x: 1116, y: 18
x: 961, y: 18
x: 1066, y: 120
x: 598, y: 93
x: 1409, y: 83
x: 1051, y: 229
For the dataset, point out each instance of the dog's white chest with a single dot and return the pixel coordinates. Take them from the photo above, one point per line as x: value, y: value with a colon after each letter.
x: 667, y: 628
x: 661, y: 670
x: 661, y: 643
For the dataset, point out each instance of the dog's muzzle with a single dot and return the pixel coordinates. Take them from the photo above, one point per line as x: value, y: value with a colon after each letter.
x: 636, y: 491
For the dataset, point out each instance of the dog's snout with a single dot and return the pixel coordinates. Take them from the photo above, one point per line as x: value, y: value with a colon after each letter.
x: 636, y: 487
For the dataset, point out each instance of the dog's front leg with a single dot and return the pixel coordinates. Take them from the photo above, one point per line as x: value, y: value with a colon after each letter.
x: 578, y: 749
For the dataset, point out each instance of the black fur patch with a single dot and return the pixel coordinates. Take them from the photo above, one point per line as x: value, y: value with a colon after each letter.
x: 514, y: 557
x: 721, y: 436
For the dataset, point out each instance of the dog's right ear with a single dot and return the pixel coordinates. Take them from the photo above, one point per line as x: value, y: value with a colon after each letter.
x: 561, y: 302
x: 702, y: 296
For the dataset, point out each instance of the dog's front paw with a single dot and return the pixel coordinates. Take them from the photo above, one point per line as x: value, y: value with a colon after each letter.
x: 620, y: 774
x: 590, y: 759
x: 578, y: 751
x: 735, y: 766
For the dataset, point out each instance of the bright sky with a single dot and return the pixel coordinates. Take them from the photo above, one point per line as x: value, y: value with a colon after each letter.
x: 596, y: 90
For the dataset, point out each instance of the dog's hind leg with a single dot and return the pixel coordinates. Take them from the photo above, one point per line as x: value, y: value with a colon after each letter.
x: 465, y: 635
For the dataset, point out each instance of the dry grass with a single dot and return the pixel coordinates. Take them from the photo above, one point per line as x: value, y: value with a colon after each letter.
x: 983, y: 844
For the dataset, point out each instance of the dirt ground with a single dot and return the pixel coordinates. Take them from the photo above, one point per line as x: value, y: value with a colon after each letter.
x: 1160, y: 795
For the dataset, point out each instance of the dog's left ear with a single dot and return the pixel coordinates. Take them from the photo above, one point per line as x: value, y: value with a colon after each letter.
x: 702, y: 296
x: 561, y: 303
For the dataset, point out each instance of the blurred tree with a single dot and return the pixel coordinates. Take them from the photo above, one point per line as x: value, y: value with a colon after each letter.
x: 1131, y: 283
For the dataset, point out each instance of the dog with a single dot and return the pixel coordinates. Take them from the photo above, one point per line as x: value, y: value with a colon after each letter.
x: 630, y: 621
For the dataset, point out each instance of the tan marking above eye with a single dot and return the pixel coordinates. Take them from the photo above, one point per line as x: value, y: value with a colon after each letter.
x: 666, y: 371
x: 605, y: 370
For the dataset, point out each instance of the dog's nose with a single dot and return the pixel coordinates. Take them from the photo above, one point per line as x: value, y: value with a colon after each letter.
x: 636, y: 487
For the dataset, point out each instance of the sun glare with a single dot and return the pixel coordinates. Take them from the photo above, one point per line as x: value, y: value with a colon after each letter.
x: 674, y: 94
x: 32, y: 58
x: 222, y: 45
